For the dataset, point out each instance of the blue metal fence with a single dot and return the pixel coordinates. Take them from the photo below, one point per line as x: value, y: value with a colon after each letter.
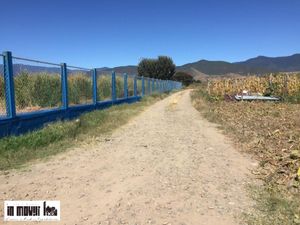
x: 79, y: 89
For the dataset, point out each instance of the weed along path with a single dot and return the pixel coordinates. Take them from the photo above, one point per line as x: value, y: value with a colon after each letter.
x: 166, y: 166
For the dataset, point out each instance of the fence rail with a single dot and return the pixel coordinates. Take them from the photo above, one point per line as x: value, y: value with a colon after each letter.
x: 28, y: 100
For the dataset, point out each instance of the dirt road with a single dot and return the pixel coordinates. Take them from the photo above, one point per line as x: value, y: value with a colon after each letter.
x: 166, y: 166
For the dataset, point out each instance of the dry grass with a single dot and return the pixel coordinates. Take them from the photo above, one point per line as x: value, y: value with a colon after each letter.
x: 271, y: 132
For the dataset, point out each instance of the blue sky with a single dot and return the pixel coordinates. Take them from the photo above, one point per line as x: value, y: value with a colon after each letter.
x: 100, y: 33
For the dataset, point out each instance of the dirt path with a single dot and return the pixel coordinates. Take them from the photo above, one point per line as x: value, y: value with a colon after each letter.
x: 166, y: 166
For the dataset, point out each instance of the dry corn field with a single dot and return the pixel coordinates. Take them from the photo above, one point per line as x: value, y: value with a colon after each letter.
x: 281, y: 85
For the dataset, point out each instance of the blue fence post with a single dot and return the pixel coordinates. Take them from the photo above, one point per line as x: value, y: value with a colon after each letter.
x: 125, y: 86
x: 135, y: 86
x: 113, y: 86
x: 95, y: 94
x: 143, y: 86
x: 9, y: 85
x: 64, y: 86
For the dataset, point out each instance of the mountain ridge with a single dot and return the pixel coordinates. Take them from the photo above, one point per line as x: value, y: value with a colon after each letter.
x: 258, y: 65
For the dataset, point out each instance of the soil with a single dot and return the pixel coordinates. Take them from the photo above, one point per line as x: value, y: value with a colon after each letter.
x: 168, y: 165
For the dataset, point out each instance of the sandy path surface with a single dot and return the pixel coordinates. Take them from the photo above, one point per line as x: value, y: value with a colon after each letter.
x: 166, y: 166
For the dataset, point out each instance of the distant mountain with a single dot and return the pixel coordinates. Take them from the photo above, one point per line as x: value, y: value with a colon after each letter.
x: 17, y: 68
x: 202, y: 68
x: 217, y: 68
x: 258, y: 65
x: 131, y: 70
x: 276, y: 64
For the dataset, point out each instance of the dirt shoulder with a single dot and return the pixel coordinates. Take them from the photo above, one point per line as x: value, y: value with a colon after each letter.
x: 166, y: 166
x: 270, y: 133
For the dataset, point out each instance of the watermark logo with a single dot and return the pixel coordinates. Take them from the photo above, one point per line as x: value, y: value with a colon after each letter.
x: 31, y: 210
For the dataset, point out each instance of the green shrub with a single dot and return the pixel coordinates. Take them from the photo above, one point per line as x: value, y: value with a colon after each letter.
x: 183, y: 77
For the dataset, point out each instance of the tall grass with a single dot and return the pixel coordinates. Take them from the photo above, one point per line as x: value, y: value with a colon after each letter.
x: 139, y: 86
x: 120, y: 86
x: 104, y: 87
x: 130, y: 83
x: 2, y: 96
x: 80, y: 88
x: 38, y: 90
x: 35, y: 91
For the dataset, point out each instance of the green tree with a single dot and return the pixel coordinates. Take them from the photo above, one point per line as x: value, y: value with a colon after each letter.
x: 183, y: 77
x: 160, y: 68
